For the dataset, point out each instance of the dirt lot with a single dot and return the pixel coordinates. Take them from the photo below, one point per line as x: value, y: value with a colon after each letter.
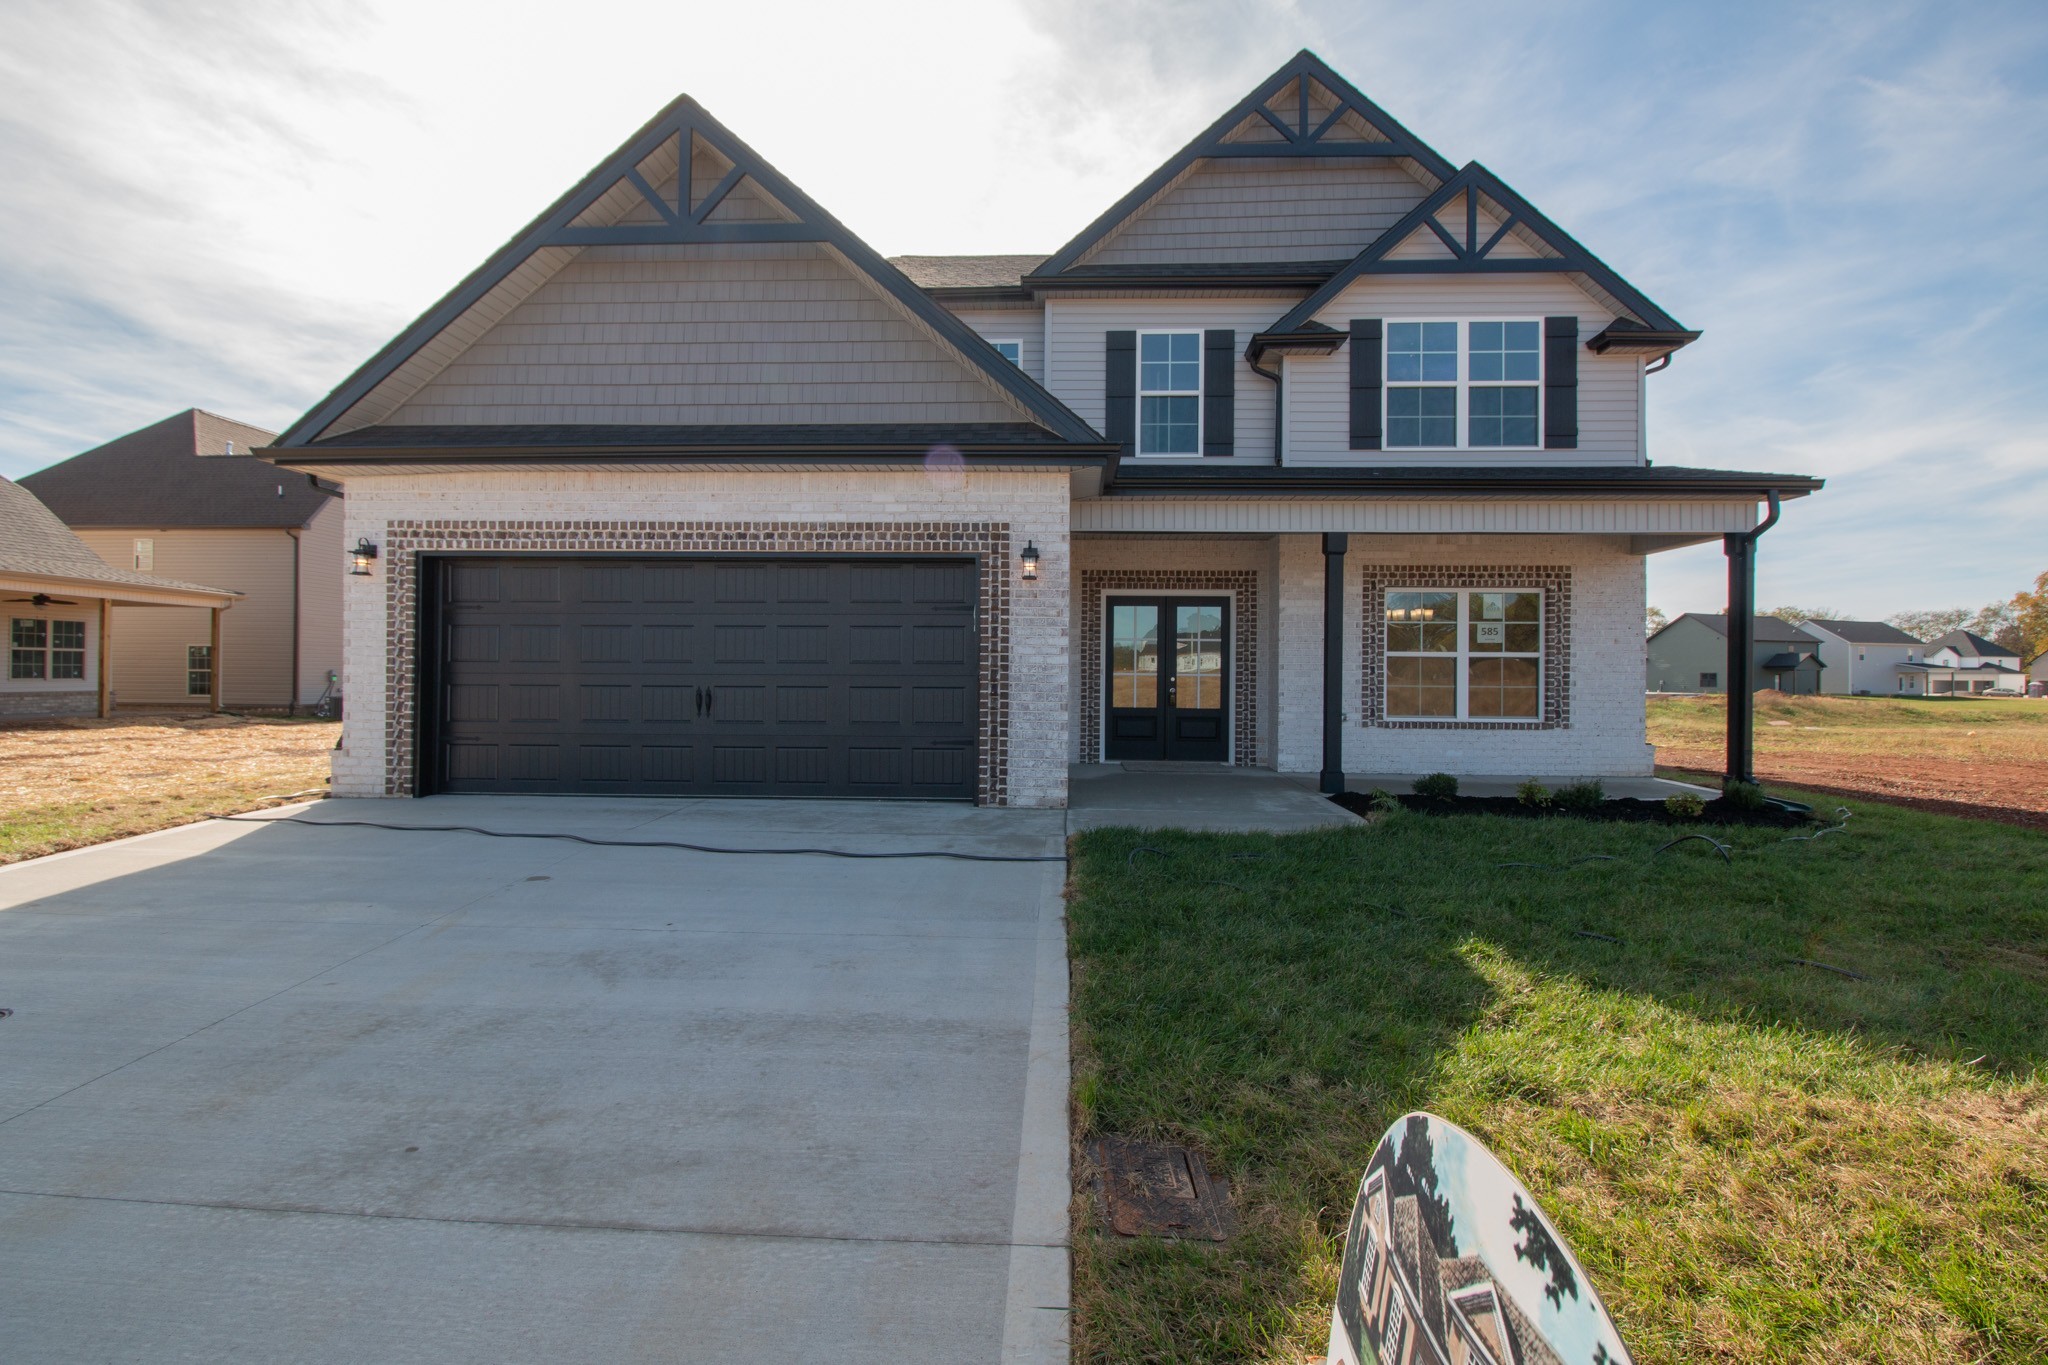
x: 1985, y: 759
x: 64, y: 784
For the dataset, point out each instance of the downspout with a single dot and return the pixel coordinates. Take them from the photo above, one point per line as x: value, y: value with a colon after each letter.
x: 291, y: 707
x: 1740, y: 547
x: 1279, y: 405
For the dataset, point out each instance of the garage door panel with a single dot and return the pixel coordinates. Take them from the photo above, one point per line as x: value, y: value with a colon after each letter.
x: 708, y: 677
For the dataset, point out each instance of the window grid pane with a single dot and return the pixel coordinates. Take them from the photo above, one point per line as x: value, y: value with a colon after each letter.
x: 67, y: 649
x: 1198, y: 658
x: 1471, y: 655
x: 1169, y: 426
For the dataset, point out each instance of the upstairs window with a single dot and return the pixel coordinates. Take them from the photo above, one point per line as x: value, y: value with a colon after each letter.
x: 1010, y: 350
x: 1169, y: 393
x: 145, y: 555
x: 1463, y: 385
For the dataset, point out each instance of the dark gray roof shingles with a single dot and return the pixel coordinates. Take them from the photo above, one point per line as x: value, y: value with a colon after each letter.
x: 1970, y: 645
x: 1769, y: 630
x: 34, y: 543
x: 1866, y: 632
x: 173, y: 475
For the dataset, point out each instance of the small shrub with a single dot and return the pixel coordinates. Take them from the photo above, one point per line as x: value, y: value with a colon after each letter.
x: 1533, y: 793
x: 1744, y: 796
x: 1437, y: 786
x: 1384, y: 801
x: 1580, y: 796
x: 1685, y: 805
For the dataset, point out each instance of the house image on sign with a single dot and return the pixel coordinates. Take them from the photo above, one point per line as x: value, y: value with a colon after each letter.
x: 1868, y: 658
x: 1964, y: 664
x: 688, y: 491
x: 1691, y: 655
x: 186, y: 498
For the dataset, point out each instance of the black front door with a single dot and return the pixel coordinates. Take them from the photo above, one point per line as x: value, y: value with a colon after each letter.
x: 1169, y: 679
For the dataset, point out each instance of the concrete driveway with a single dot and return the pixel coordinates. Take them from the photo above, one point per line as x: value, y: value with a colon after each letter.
x: 272, y: 1093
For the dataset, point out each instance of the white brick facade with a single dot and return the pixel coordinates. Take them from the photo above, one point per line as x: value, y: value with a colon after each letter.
x: 1033, y: 505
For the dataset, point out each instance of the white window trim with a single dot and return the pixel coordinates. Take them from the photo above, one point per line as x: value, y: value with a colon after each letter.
x: 1464, y: 385
x: 1142, y: 393
x: 145, y: 554
x: 1464, y: 655
x: 49, y: 650
x: 1018, y: 342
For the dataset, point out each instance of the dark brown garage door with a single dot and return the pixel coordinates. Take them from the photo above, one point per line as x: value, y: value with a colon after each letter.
x: 702, y: 677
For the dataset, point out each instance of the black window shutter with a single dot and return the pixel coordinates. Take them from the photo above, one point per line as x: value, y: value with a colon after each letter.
x: 1560, y: 383
x: 1120, y: 389
x: 1365, y: 383
x: 1219, y: 392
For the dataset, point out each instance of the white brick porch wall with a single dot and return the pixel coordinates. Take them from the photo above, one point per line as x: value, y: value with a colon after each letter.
x: 1606, y: 734
x: 1034, y: 503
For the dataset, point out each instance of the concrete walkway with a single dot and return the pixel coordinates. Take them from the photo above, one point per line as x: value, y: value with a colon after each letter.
x: 1197, y: 796
x: 276, y: 1093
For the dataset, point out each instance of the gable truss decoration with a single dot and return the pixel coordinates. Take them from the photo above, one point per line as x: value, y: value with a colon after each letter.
x: 1469, y: 253
x: 689, y: 218
x: 1307, y: 129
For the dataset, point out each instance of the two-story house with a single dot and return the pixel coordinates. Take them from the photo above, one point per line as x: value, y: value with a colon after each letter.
x: 1314, y: 451
x: 1868, y: 658
x: 1963, y: 663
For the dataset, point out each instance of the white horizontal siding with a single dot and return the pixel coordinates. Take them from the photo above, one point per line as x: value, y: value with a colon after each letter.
x: 1011, y: 324
x: 706, y: 334
x: 1075, y: 370
x: 1297, y: 209
x: 1319, y: 387
x: 1443, y: 516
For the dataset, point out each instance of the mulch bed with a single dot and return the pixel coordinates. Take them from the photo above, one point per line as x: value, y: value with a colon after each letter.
x: 1619, y: 810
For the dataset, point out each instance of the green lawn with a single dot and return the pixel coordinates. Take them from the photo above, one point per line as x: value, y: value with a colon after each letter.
x: 1755, y: 1160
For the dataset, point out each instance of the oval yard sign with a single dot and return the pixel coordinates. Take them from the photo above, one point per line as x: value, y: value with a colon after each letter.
x: 1448, y: 1261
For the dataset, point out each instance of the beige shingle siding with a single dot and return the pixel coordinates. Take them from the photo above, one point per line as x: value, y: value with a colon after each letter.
x: 1610, y: 389
x: 1320, y: 209
x: 705, y: 334
x: 256, y: 634
x: 1079, y: 325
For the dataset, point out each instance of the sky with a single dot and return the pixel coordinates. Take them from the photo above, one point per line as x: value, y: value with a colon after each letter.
x: 230, y: 204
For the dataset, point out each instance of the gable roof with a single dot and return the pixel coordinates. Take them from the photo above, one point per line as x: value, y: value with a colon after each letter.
x: 599, y: 211
x: 176, y: 473
x: 1473, y: 255
x: 36, y: 547
x: 1303, y: 137
x: 966, y: 272
x: 1765, y: 630
x: 1970, y: 646
x: 1864, y: 632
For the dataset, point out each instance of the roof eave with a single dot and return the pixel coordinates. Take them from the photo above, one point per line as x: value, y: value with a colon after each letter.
x: 1065, y: 455
x: 1138, y: 480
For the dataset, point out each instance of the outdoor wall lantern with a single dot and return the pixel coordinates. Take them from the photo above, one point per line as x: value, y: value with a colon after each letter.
x: 360, y: 558
x: 1029, y: 559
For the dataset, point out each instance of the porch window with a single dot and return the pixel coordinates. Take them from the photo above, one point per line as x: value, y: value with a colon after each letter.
x: 1457, y: 654
x: 1463, y: 385
x: 199, y: 670
x: 45, y: 650
x: 1169, y: 393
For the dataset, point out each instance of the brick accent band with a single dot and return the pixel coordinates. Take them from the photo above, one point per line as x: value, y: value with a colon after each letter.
x: 1244, y: 583
x: 406, y: 541
x: 1554, y: 579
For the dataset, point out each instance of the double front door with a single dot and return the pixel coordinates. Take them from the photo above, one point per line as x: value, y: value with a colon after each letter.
x: 1169, y: 679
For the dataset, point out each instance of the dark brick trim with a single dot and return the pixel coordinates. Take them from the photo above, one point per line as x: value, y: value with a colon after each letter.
x: 406, y: 541
x: 1554, y: 579
x: 1244, y: 583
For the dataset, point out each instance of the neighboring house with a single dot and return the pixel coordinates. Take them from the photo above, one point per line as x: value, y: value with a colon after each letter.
x: 1961, y: 663
x: 57, y: 598
x: 2037, y: 676
x: 185, y: 497
x: 1691, y: 655
x: 1868, y: 658
x: 687, y: 490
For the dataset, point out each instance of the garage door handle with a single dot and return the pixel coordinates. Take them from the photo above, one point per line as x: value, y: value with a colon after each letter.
x: 710, y: 697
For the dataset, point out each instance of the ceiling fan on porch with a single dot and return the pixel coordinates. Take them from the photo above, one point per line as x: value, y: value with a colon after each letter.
x: 42, y: 599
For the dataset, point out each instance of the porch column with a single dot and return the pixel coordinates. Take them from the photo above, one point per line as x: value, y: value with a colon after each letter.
x: 1334, y: 546
x: 106, y: 656
x: 1741, y: 552
x: 213, y: 654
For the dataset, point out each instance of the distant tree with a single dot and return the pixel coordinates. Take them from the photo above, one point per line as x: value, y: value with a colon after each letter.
x: 1654, y: 620
x: 1542, y: 1252
x: 2030, y: 621
x: 1927, y: 625
x: 1799, y: 616
x: 1999, y: 623
x: 1414, y: 1172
